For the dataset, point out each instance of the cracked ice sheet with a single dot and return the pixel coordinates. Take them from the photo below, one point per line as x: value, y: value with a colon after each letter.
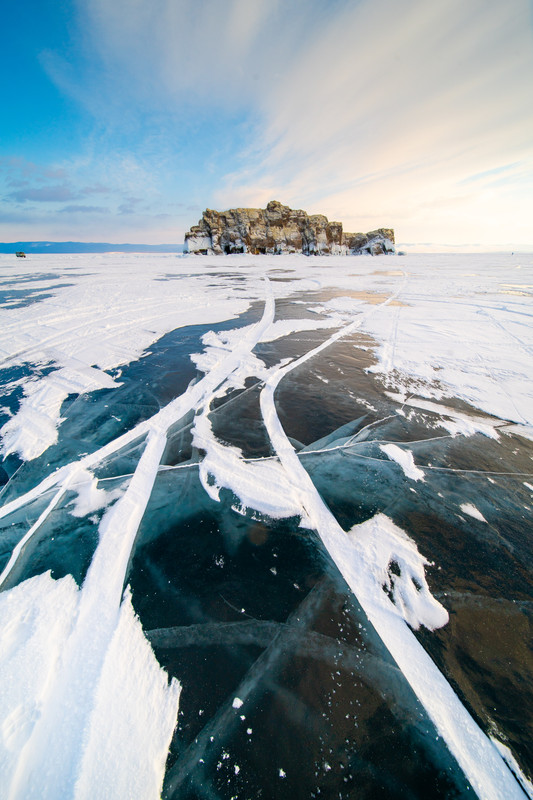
x: 244, y: 355
x: 99, y: 676
x: 458, y: 333
x: 113, y: 309
x: 364, y: 557
x: 102, y: 678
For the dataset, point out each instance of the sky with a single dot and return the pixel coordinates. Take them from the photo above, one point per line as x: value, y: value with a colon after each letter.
x: 123, y: 119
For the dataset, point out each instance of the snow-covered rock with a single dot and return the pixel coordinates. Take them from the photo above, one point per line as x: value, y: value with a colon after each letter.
x: 279, y: 229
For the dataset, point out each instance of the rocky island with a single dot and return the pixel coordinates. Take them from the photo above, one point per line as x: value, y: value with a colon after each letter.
x: 279, y: 229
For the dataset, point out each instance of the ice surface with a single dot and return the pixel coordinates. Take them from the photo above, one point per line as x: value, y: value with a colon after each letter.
x: 471, y: 747
x: 76, y: 669
x: 448, y: 320
x: 107, y: 316
x: 84, y: 692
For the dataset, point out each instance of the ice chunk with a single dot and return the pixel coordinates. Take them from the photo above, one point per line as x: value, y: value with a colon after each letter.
x: 345, y: 432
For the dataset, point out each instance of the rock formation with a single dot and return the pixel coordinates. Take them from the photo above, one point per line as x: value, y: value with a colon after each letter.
x: 279, y: 229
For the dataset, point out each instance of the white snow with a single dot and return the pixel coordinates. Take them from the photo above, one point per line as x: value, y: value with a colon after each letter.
x: 526, y: 431
x: 362, y: 566
x: 458, y: 423
x: 472, y: 511
x: 457, y: 333
x: 256, y: 483
x: 103, y: 678
x: 113, y: 309
x: 51, y: 749
x: 405, y: 459
x: 78, y: 679
x: 89, y: 497
x: 35, y: 425
x: 380, y: 544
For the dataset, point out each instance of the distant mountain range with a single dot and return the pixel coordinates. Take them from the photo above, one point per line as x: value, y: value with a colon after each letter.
x: 87, y: 247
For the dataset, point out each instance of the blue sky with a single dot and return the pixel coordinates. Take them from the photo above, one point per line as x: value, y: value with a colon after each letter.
x: 123, y: 119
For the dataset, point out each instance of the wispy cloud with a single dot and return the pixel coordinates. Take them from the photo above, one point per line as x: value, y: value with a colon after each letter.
x: 33, y: 205
x: 81, y: 209
x: 51, y: 193
x: 372, y: 110
x: 416, y: 115
x: 392, y: 108
x: 130, y: 206
x: 495, y: 172
x: 43, y: 194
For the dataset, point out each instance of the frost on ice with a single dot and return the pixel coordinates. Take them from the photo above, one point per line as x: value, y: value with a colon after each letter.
x: 76, y: 668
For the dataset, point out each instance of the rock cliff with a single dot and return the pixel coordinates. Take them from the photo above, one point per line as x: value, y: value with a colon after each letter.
x: 279, y: 229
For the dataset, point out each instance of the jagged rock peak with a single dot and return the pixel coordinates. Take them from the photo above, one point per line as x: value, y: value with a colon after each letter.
x: 279, y: 229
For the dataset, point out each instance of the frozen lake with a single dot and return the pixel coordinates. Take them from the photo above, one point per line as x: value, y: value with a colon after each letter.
x: 266, y: 526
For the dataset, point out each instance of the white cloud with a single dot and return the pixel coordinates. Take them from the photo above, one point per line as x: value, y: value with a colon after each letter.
x: 384, y: 117
x: 375, y: 112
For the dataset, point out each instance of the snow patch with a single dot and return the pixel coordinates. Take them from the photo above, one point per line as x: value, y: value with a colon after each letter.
x: 458, y: 423
x: 405, y: 459
x: 34, y: 427
x: 472, y: 511
x: 89, y: 497
x: 396, y: 568
x: 132, y: 701
x: 259, y: 485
